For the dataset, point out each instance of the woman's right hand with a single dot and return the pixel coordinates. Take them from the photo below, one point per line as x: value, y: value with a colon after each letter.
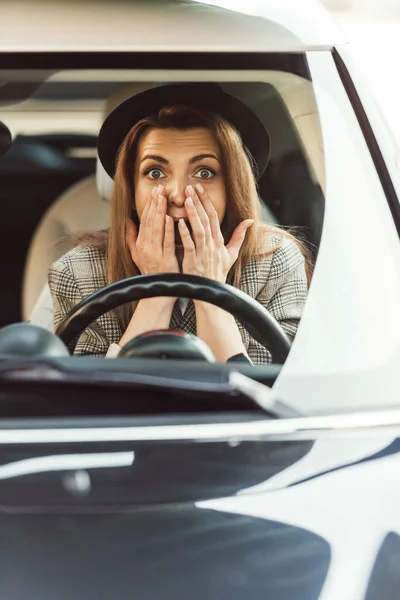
x: 152, y: 248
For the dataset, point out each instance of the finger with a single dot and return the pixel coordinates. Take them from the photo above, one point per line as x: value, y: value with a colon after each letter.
x: 187, y: 241
x: 149, y: 222
x: 211, y: 214
x: 145, y: 214
x: 169, y: 237
x: 199, y: 233
x: 200, y: 210
x: 147, y: 207
x: 159, y: 222
x: 237, y: 239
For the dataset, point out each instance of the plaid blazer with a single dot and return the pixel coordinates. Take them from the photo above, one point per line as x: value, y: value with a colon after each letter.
x: 278, y: 281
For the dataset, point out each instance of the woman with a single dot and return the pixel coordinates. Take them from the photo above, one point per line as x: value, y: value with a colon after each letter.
x: 183, y: 157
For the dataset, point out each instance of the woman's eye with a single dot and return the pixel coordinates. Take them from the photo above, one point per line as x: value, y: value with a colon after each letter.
x: 155, y: 173
x: 205, y: 173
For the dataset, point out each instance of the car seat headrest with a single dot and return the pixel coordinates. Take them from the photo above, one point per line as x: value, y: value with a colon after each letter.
x: 104, y: 182
x: 121, y: 93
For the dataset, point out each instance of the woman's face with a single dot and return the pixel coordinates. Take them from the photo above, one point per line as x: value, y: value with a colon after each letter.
x: 176, y: 159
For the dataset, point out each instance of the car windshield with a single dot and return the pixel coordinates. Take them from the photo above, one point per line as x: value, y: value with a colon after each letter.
x: 320, y: 184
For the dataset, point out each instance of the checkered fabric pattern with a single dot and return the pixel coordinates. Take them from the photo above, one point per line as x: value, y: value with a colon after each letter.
x: 278, y: 281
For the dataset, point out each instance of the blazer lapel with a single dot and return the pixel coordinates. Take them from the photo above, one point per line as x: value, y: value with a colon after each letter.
x: 189, y: 319
x: 176, y: 317
x: 186, y: 322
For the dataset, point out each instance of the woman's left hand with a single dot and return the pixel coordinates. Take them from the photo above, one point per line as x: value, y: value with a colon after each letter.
x: 205, y: 253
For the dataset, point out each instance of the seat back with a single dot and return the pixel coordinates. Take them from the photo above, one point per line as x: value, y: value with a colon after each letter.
x: 83, y: 207
x: 79, y: 208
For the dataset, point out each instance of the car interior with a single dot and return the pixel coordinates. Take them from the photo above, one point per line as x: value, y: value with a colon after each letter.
x: 53, y: 185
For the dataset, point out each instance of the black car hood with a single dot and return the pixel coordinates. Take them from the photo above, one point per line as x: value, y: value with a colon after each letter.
x: 246, y: 520
x: 175, y: 552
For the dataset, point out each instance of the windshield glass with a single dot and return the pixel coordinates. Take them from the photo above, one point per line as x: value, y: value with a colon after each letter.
x: 55, y: 188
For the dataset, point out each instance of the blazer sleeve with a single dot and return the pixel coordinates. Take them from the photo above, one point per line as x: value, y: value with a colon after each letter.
x: 283, y: 295
x: 66, y: 294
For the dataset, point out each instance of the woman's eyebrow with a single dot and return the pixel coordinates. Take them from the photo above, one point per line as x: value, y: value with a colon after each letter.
x: 155, y: 157
x: 202, y: 157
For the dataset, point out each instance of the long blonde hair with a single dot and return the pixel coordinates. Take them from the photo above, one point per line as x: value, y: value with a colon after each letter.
x: 242, y: 200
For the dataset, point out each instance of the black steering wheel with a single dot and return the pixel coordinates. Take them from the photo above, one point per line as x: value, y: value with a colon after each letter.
x: 251, y: 314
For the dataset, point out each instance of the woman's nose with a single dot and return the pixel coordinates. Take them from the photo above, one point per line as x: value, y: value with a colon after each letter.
x: 175, y: 192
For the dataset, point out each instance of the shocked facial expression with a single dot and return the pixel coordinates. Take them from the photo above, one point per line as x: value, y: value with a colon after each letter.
x: 176, y: 159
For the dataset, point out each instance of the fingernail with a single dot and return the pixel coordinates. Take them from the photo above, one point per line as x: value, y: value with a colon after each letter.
x: 251, y: 223
x: 160, y: 188
x: 182, y: 222
x: 200, y: 188
x: 190, y: 190
x: 160, y: 200
x: 189, y: 202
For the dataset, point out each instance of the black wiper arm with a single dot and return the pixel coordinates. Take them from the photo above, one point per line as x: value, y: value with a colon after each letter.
x: 262, y: 395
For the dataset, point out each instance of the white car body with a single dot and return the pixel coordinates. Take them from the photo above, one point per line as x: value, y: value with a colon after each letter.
x: 347, y: 351
x: 346, y: 355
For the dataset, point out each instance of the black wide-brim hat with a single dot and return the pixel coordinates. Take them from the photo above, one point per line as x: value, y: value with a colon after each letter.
x: 208, y: 96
